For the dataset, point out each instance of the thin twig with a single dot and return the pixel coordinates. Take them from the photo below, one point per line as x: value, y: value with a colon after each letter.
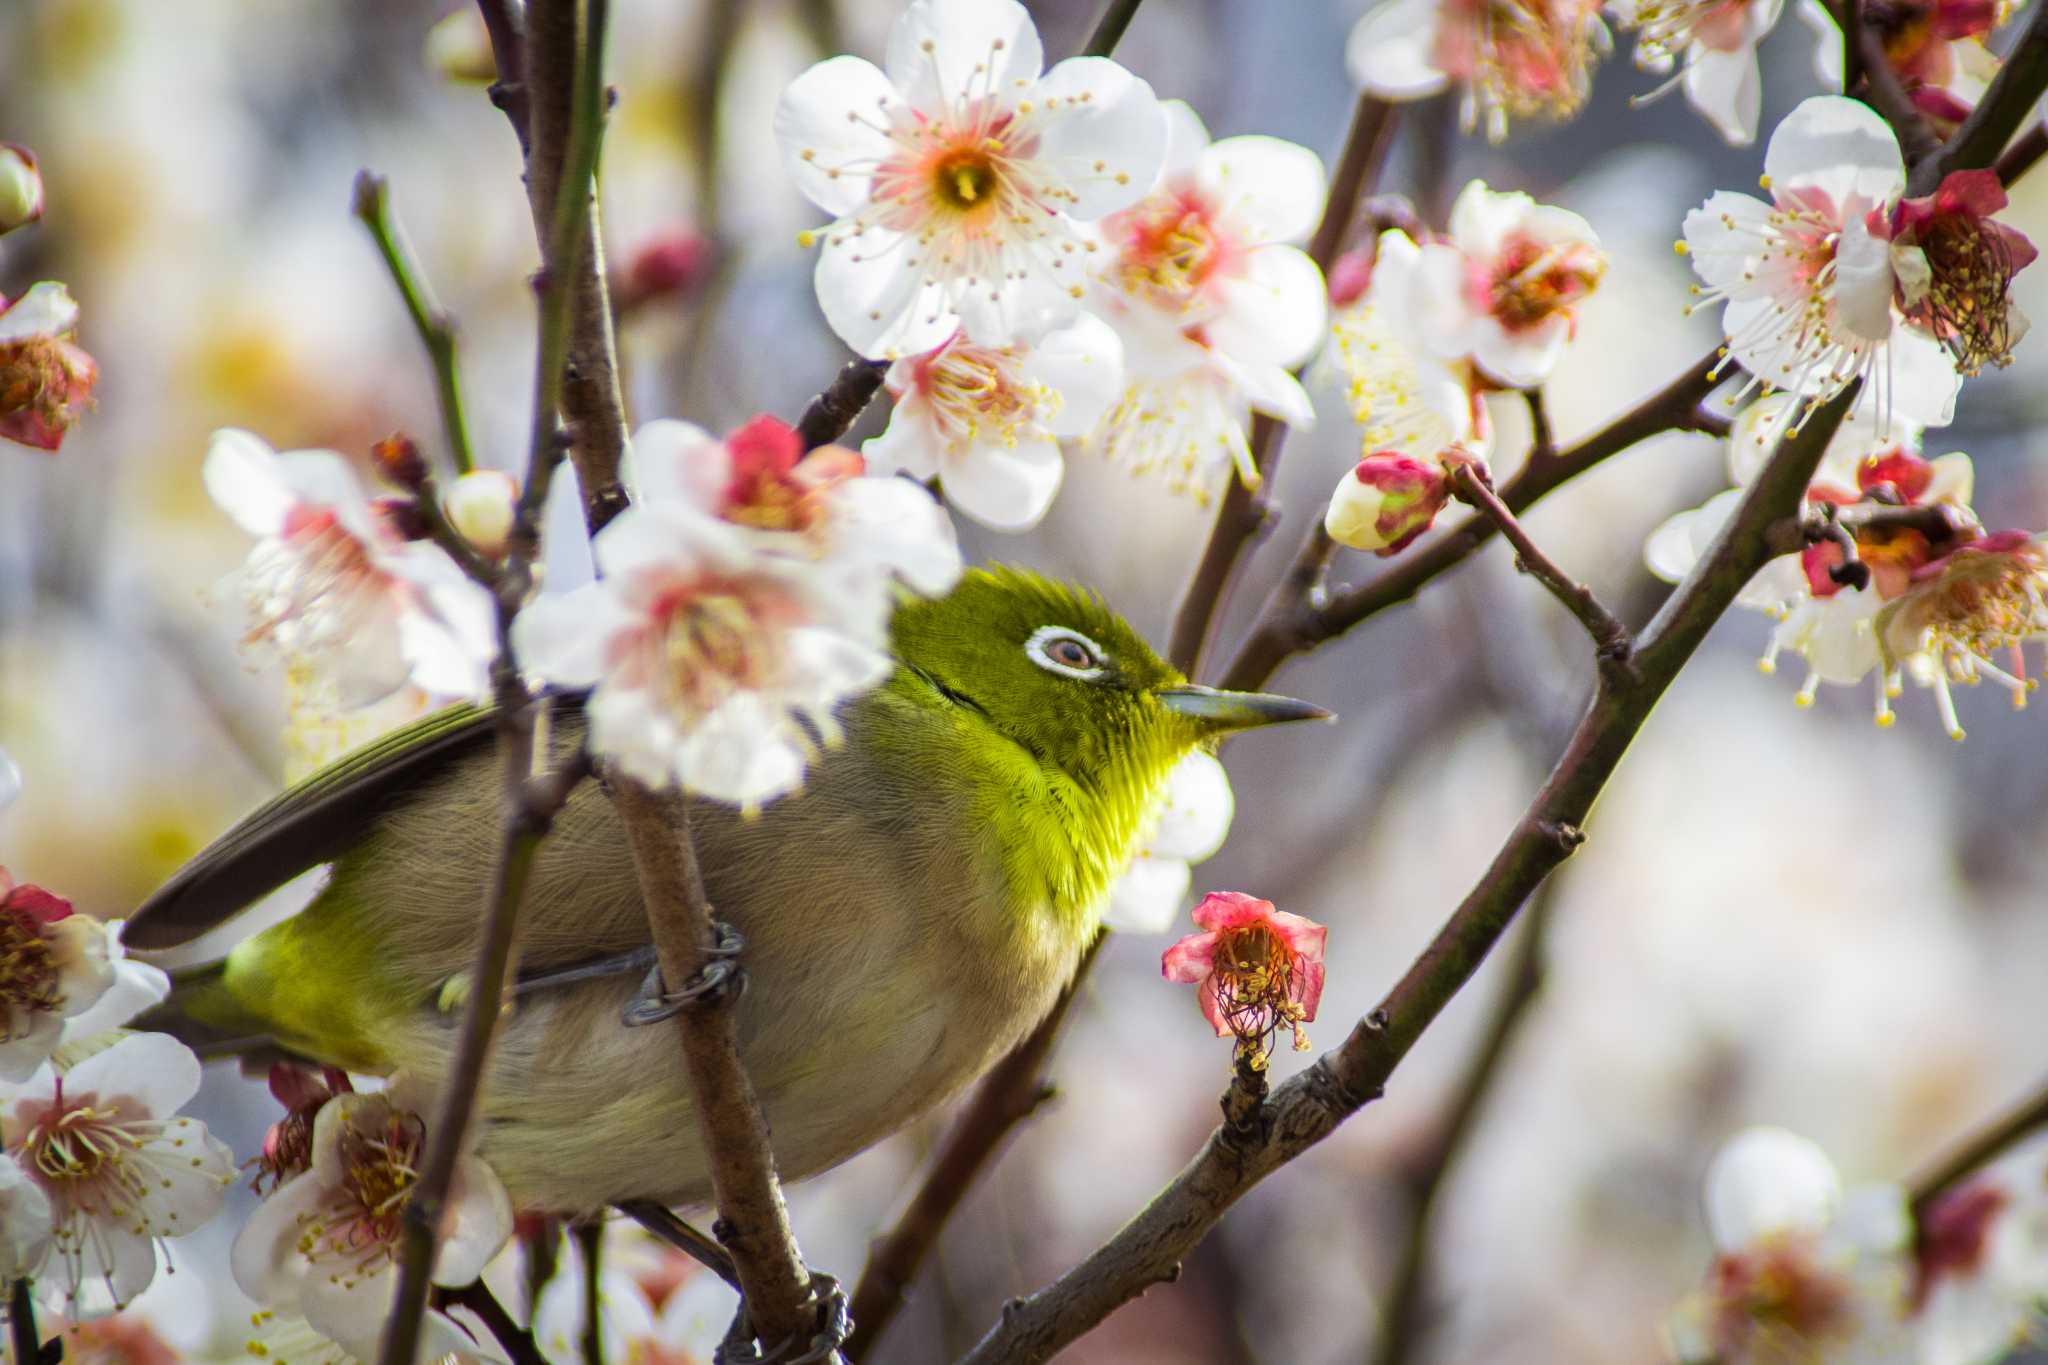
x: 1109, y: 30
x: 1309, y: 1106
x: 1242, y: 514
x: 2006, y: 104
x: 1294, y: 621
x: 1848, y: 17
x: 21, y: 1325
x: 505, y: 21
x: 1542, y: 439
x: 753, y: 1222
x: 832, y: 413
x: 664, y: 1223
x: 1611, y: 639
x: 1008, y: 1095
x: 707, y: 87
x: 372, y: 204
x: 1401, y: 1312
x: 590, y: 1242
x: 1942, y: 523
x: 478, y: 1299
x: 2026, y: 149
x: 1978, y: 1150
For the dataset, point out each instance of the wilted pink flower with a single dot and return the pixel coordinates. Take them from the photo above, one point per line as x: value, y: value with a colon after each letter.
x: 21, y: 187
x: 288, y: 1144
x: 1971, y: 260
x: 1259, y: 970
x: 46, y: 379
x: 1386, y: 501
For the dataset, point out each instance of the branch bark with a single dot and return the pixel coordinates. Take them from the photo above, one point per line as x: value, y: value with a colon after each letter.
x: 1978, y: 1150
x: 1310, y: 1105
x: 753, y: 1222
x: 1610, y: 637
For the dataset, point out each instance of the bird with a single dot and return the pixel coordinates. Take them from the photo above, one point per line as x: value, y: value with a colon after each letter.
x: 907, y: 916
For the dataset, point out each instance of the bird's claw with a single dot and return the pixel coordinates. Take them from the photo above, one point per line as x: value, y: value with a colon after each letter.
x: 835, y: 1325
x: 720, y: 977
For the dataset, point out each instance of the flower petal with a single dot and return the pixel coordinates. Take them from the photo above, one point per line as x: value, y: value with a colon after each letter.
x: 1392, y: 50
x: 1766, y: 1181
x: 241, y: 477
x: 156, y: 1071
x: 876, y: 296
x: 1147, y: 898
x: 1083, y: 363
x: 1273, y: 187
x: 46, y: 310
x: 1007, y: 488
x: 1275, y: 312
x: 563, y: 637
x: 1727, y: 87
x: 1839, y: 146
x: 831, y: 124
x: 479, y: 1223
x: 1101, y: 135
x: 943, y: 51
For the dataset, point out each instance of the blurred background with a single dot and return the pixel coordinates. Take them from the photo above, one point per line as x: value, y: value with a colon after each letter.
x: 1781, y: 916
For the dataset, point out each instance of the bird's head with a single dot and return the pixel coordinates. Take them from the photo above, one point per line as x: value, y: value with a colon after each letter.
x: 1052, y: 669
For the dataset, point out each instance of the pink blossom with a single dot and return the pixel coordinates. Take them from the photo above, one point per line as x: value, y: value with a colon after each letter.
x: 1259, y: 970
x: 46, y: 379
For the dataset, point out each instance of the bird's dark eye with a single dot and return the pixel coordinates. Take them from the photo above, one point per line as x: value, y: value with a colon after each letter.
x: 1060, y: 650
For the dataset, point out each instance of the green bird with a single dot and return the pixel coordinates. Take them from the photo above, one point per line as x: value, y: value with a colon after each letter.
x: 908, y: 916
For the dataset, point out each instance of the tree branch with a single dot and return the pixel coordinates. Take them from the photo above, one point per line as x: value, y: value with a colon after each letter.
x: 1610, y: 637
x: 372, y: 204
x: 478, y: 1299
x: 505, y: 22
x: 665, y: 1224
x: 21, y: 1325
x: 1297, y: 617
x: 832, y: 413
x: 1977, y: 1150
x: 1109, y: 30
x: 1008, y: 1095
x: 1242, y: 513
x: 1309, y: 1106
x: 753, y: 1222
x: 1887, y: 93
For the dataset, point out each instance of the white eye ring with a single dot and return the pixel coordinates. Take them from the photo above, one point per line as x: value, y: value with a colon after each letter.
x: 1046, y: 638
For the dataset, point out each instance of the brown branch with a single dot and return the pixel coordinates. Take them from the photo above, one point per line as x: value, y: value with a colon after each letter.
x: 2026, y: 149
x: 1885, y: 91
x: 2006, y: 104
x: 1978, y: 1150
x: 1301, y: 1112
x: 832, y: 413
x: 1109, y: 30
x: 1008, y: 1095
x: 1611, y: 638
x: 1941, y: 522
x: 505, y: 22
x: 753, y: 1222
x: 478, y: 1299
x: 1242, y: 514
x: 1296, y: 619
x: 664, y: 1223
x: 1401, y: 1314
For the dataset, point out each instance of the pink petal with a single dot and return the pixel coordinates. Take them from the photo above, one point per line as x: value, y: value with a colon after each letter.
x: 1221, y: 910
x: 1212, y: 1008
x: 1190, y: 960
x: 1303, y: 936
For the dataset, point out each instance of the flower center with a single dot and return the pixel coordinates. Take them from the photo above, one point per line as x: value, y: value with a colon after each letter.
x: 965, y: 180
x: 35, y: 375
x: 379, y: 1167
x: 1967, y: 304
x: 28, y: 970
x: 1256, y: 986
x: 1519, y: 58
x: 1776, y: 1293
x: 1170, y: 250
x: 717, y: 636
x: 74, y: 1143
x: 1531, y: 281
x: 971, y: 387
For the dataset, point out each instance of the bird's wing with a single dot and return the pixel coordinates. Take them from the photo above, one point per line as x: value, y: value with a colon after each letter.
x: 311, y: 823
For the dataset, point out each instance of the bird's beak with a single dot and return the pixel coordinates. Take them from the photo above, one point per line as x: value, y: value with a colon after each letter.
x: 1222, y: 712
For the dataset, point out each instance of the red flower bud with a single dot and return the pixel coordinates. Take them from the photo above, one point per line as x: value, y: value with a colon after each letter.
x: 1386, y: 501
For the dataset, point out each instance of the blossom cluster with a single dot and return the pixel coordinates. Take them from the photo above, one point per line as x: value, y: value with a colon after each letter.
x: 46, y: 378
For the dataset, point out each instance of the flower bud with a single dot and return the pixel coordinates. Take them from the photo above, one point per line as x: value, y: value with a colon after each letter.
x: 672, y: 262
x: 458, y: 49
x: 21, y: 187
x: 480, y: 505
x: 398, y: 459
x: 1387, y: 501
x: 46, y: 380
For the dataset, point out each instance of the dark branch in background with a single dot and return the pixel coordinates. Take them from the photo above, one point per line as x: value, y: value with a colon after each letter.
x: 832, y: 413
x: 372, y: 204
x: 1109, y: 30
x: 1887, y: 93
x: 1007, y: 1096
x: 1296, y: 618
x: 21, y: 1325
x: 1403, y: 1310
x: 1610, y: 637
x: 566, y: 67
x: 477, y: 1298
x: 1978, y: 1150
x: 2024, y: 152
x: 590, y: 1241
x: 1309, y: 1106
x: 590, y: 402
x: 505, y: 21
x: 668, y: 1226
x: 2007, y: 103
x: 707, y: 91
x: 753, y: 1222
x: 1242, y: 513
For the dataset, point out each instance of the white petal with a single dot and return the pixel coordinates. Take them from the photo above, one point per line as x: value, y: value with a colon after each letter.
x: 1276, y: 312
x: 1766, y: 1181
x: 124, y: 1257
x: 1083, y: 363
x: 1953, y: 479
x: 1273, y: 187
x: 241, y: 477
x: 740, y: 753
x: 1827, y: 44
x: 350, y: 1310
x: 47, y: 310
x: 24, y: 1222
x: 1197, y: 810
x: 1523, y: 359
x: 563, y: 637
x: 31, y: 1036
x: 831, y: 124
x: 1007, y: 488
x: 1728, y: 88
x: 372, y: 667
x: 1863, y: 281
x: 1392, y: 50
x: 136, y: 986
x: 479, y: 1224
x: 10, y: 780
x: 1482, y: 218
x: 874, y: 294
x: 1920, y: 382
x: 1148, y: 897
x: 1029, y: 303
x: 1722, y: 238
x: 156, y: 1071
x: 1669, y: 551
x: 897, y: 524
x: 1272, y: 390
x: 943, y: 50
x: 1444, y: 319
x: 679, y: 461
x: 1187, y: 137
x: 910, y: 444
x: 1101, y: 135
x: 1839, y: 146
x: 1874, y: 1221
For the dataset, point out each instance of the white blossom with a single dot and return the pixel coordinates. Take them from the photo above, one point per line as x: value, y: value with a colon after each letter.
x: 1189, y: 824
x: 1716, y: 40
x: 26, y: 1223
x: 1508, y: 58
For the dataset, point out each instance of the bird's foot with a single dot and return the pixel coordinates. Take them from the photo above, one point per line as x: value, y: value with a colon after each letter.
x: 835, y: 1325
x: 719, y: 979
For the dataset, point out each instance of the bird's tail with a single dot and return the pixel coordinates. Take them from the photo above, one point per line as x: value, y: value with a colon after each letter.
x: 204, y: 1014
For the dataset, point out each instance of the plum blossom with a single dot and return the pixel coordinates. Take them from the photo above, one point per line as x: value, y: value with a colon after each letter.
x: 46, y: 379
x: 333, y: 584
x: 987, y: 421
x: 21, y: 187
x: 326, y: 1243
x: 120, y: 1169
x: 25, y: 1223
x: 1716, y: 40
x: 654, y: 1305
x: 744, y: 595
x: 1802, y: 1271
x: 1982, y: 602
x: 1386, y: 501
x: 1935, y: 47
x: 1810, y: 279
x: 1258, y: 970
x: 1981, y: 1263
x: 958, y: 177
x: 1504, y: 289
x: 1405, y: 397
x: 53, y: 966
x: 1214, y: 301
x: 1971, y: 261
x: 1509, y: 58
x: 1188, y: 825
